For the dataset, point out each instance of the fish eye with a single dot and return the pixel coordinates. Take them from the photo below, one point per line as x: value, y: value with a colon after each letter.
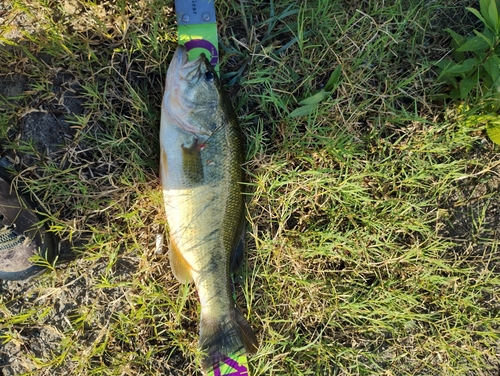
x: 209, y: 76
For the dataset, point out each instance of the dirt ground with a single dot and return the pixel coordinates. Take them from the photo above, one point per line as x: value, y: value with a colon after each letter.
x: 45, y: 125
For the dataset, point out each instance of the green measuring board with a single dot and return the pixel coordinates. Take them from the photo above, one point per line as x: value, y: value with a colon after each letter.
x: 197, y: 31
x: 235, y: 366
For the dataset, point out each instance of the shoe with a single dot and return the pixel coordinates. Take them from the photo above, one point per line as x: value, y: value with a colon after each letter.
x: 21, y: 234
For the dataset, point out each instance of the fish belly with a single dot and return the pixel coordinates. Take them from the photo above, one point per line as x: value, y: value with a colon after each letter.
x: 196, y: 215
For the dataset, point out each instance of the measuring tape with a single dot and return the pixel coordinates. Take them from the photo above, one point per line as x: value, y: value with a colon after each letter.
x: 197, y: 31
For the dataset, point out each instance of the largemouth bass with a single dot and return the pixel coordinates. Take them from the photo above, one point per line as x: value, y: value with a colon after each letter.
x: 201, y: 175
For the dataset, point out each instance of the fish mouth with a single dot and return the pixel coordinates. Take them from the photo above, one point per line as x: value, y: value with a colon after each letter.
x: 182, y: 67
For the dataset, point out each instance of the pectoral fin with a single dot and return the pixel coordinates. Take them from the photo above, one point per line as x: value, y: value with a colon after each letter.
x: 192, y: 165
x: 179, y: 265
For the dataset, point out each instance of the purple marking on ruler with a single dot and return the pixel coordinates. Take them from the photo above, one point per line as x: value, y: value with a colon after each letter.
x: 205, y: 44
x: 241, y: 370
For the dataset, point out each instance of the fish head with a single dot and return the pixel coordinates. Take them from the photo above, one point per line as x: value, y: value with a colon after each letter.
x: 193, y: 93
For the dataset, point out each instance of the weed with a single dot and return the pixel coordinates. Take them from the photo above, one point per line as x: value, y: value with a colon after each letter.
x: 475, y: 75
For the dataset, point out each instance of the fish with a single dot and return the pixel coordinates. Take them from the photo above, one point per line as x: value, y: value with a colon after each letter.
x: 201, y: 157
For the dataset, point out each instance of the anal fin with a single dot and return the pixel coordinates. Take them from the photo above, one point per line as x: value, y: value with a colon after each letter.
x: 179, y: 265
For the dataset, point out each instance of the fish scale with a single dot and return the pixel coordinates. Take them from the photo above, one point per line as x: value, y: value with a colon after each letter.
x: 201, y: 174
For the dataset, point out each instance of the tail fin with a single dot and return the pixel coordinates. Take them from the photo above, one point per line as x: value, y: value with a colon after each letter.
x: 225, y: 337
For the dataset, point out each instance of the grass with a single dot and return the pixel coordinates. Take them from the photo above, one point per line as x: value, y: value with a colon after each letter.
x: 373, y: 221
